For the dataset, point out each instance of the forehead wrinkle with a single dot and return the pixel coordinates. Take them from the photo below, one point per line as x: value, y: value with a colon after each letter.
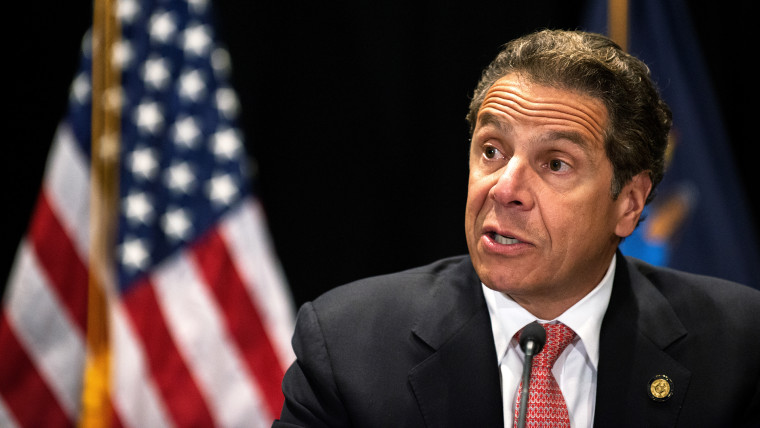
x: 503, y: 96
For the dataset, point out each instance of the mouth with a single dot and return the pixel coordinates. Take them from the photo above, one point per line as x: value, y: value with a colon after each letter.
x: 504, y: 240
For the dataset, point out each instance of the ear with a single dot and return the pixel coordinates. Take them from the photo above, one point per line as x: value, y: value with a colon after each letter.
x: 631, y: 203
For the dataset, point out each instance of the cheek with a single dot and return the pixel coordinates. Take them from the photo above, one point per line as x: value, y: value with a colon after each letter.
x: 570, y: 220
x: 581, y: 224
x: 476, y: 199
x: 477, y: 193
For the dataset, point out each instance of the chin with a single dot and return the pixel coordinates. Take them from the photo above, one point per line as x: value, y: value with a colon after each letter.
x: 501, y: 283
x: 513, y: 280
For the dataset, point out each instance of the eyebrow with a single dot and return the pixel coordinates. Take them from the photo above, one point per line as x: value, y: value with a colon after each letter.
x: 489, y: 119
x: 573, y: 137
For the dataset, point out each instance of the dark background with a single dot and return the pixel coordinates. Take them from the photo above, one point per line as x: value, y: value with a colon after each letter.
x: 353, y: 111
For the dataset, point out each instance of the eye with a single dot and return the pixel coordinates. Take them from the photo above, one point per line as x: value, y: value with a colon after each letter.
x: 557, y: 165
x: 491, y: 152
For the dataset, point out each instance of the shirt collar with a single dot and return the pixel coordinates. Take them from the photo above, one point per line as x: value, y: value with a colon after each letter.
x: 584, y: 317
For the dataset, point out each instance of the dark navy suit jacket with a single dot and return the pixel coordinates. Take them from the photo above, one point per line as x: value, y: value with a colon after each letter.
x: 416, y: 349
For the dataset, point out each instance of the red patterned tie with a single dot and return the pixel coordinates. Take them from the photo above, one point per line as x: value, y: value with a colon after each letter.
x: 546, y: 405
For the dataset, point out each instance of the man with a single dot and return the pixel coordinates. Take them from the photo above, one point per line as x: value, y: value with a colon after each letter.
x: 568, y: 144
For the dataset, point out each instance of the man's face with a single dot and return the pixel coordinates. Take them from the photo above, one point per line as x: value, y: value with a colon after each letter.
x: 540, y: 221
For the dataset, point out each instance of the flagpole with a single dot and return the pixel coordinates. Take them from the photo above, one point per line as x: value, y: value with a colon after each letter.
x: 617, y: 22
x: 96, y: 402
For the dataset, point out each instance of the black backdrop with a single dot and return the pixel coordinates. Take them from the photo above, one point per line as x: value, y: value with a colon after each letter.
x: 353, y: 112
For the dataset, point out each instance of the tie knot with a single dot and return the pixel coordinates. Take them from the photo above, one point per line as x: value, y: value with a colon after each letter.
x: 558, y: 336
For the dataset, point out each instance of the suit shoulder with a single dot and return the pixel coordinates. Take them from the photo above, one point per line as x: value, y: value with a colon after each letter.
x: 404, y: 293
x: 404, y: 282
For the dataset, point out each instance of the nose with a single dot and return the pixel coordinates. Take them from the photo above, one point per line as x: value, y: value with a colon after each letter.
x: 514, y: 183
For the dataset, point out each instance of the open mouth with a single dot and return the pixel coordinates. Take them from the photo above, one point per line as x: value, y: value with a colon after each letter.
x: 504, y: 240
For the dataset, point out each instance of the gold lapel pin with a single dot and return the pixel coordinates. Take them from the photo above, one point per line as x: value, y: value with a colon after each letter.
x: 660, y: 388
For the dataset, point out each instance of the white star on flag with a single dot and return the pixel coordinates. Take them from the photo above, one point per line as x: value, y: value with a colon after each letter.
x: 192, y: 86
x: 143, y: 163
x: 138, y: 207
x: 149, y: 118
x: 227, y: 102
x: 226, y: 144
x: 222, y: 190
x: 176, y: 223
x: 123, y: 54
x: 162, y: 26
x: 197, y: 40
x: 134, y: 254
x: 180, y: 177
x: 186, y: 132
x: 80, y: 88
x: 127, y: 10
x: 156, y: 72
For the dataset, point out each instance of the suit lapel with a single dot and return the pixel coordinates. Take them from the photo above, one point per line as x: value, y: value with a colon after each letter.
x: 638, y: 329
x: 458, y: 384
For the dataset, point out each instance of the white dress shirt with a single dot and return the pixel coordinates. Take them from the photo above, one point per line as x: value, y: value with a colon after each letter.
x: 575, y: 369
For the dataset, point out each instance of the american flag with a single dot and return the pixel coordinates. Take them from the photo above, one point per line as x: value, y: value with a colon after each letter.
x: 199, y: 315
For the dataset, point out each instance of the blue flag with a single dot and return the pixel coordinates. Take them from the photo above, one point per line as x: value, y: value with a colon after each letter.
x: 699, y: 221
